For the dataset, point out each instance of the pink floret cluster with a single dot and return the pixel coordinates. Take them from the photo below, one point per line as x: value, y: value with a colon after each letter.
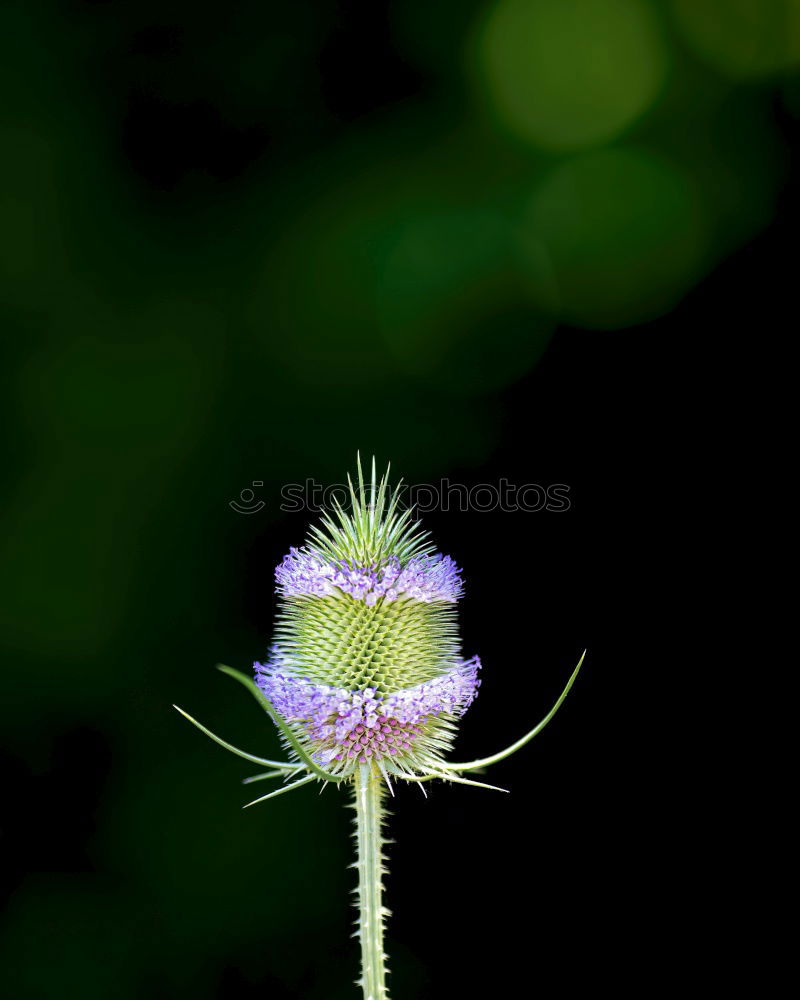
x: 362, y: 724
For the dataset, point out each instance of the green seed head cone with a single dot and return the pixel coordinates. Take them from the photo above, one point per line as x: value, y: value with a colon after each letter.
x: 342, y: 642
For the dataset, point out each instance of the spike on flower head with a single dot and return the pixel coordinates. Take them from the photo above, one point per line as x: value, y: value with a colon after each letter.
x: 367, y: 665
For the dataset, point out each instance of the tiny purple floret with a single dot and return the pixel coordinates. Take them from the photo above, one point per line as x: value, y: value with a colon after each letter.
x: 423, y: 578
x: 354, y: 720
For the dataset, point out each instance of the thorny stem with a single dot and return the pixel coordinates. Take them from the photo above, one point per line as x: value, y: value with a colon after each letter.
x: 368, y: 786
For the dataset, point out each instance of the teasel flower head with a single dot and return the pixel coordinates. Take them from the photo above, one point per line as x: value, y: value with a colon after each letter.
x: 366, y: 669
x: 367, y: 666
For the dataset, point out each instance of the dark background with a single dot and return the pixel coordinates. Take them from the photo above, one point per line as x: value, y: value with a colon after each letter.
x: 241, y: 242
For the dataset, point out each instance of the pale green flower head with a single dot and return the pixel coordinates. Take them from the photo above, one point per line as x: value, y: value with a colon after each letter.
x: 366, y: 667
x: 366, y: 664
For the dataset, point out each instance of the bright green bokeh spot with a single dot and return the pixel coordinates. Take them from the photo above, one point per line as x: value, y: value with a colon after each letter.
x: 569, y: 74
x: 742, y: 38
x: 625, y: 233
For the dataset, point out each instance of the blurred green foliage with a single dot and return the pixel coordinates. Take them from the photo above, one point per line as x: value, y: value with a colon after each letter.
x: 742, y: 38
x: 625, y: 232
x: 233, y: 251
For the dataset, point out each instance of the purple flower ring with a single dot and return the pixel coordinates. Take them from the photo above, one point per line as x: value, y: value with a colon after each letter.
x: 355, y: 726
x: 426, y: 578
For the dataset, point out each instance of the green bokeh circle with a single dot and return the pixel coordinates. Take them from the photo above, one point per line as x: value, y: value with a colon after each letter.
x: 742, y: 38
x: 626, y: 235
x: 570, y: 74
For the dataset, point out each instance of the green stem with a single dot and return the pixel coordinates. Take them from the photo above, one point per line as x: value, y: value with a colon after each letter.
x: 369, y: 816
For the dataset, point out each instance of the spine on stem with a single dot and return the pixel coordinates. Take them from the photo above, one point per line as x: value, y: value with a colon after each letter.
x: 368, y: 788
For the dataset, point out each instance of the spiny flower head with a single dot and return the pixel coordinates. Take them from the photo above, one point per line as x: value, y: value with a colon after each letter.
x: 366, y: 673
x: 366, y: 666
